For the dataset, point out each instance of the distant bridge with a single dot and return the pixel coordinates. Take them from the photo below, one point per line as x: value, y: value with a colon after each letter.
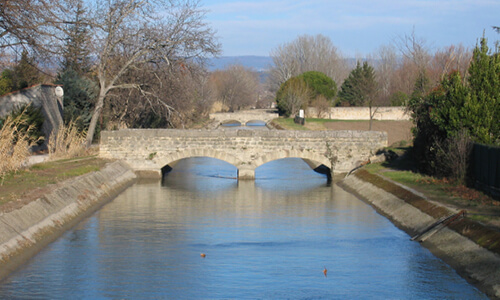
x: 245, y: 116
x: 152, y: 150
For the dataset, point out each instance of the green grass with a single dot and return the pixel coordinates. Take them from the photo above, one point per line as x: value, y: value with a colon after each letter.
x: 425, y: 184
x: 374, y: 168
x: 18, y: 184
x: 404, y: 177
x: 289, y: 124
x: 79, y: 171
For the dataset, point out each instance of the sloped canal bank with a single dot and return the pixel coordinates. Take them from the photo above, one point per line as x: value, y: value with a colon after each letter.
x: 270, y: 238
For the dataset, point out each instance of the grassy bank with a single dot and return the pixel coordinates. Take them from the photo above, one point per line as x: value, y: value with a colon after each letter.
x: 310, y: 124
x: 480, y: 207
x: 27, y: 184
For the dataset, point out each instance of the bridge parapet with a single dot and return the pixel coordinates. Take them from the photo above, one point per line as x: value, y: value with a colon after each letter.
x: 153, y: 149
x: 245, y: 116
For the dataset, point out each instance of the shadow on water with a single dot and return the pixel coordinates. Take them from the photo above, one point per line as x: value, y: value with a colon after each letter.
x: 205, y: 174
x: 201, y: 174
x: 293, y: 174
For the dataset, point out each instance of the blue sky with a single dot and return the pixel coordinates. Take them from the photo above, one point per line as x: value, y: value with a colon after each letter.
x: 356, y: 27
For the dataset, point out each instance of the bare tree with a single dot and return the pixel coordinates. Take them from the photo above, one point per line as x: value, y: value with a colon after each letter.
x: 134, y: 35
x: 182, y: 86
x: 37, y: 25
x: 415, y: 49
x: 449, y: 59
x: 307, y: 53
x: 292, y: 96
x: 236, y: 87
x: 385, y: 61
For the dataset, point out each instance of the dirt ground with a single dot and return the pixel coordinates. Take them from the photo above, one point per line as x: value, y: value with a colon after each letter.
x: 396, y: 130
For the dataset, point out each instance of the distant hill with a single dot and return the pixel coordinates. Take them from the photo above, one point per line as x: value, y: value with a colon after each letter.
x: 258, y: 63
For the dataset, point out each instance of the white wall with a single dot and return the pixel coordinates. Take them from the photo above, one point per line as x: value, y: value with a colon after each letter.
x: 362, y: 113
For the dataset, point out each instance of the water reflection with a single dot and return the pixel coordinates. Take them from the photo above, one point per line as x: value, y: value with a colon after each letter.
x: 261, y: 243
x: 202, y: 174
x: 206, y: 174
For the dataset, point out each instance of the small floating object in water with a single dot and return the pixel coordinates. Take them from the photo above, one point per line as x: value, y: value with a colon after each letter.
x: 325, y: 271
x: 203, y: 255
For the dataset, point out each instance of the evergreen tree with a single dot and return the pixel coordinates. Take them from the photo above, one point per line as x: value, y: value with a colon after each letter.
x: 26, y: 72
x: 439, y: 116
x: 360, y: 86
x: 483, y: 108
x: 6, y: 82
x: 79, y: 90
x: 457, y: 110
x: 79, y: 97
x: 320, y: 84
x: 76, y: 54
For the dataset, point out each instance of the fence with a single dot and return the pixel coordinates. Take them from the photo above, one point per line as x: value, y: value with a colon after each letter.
x: 486, y: 168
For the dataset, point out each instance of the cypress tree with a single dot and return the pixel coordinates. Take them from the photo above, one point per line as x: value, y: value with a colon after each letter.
x: 483, y: 108
x: 360, y: 86
x: 76, y: 54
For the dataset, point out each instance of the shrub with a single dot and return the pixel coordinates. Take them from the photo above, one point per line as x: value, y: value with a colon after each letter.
x: 322, y: 106
x: 454, y: 155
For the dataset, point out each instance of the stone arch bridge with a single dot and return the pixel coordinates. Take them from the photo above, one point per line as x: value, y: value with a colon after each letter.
x: 245, y: 116
x: 152, y: 150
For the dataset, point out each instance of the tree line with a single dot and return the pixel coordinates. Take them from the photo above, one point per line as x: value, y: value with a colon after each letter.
x: 452, y: 94
x: 383, y: 78
x: 128, y: 63
x: 122, y: 62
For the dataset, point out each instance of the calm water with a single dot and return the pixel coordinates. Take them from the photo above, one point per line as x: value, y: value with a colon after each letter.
x: 268, y: 239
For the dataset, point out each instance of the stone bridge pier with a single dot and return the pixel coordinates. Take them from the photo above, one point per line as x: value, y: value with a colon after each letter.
x: 152, y: 150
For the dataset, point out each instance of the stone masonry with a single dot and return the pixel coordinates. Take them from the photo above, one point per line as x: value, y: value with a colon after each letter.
x: 149, y: 150
x: 244, y: 116
x: 47, y: 96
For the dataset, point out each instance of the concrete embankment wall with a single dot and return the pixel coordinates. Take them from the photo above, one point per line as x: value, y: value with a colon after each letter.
x: 474, y: 263
x: 23, y: 232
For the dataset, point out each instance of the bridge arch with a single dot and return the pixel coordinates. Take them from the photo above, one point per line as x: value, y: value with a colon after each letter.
x: 164, y: 160
x: 227, y: 122
x: 314, y: 160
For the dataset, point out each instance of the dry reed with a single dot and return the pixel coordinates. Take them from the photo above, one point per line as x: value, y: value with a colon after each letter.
x: 67, y: 142
x: 14, y: 145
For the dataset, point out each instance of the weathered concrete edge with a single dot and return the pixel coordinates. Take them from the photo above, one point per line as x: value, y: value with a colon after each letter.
x: 26, y: 231
x: 476, y: 264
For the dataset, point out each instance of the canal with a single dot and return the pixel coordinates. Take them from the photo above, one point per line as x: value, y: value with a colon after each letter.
x: 268, y: 239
